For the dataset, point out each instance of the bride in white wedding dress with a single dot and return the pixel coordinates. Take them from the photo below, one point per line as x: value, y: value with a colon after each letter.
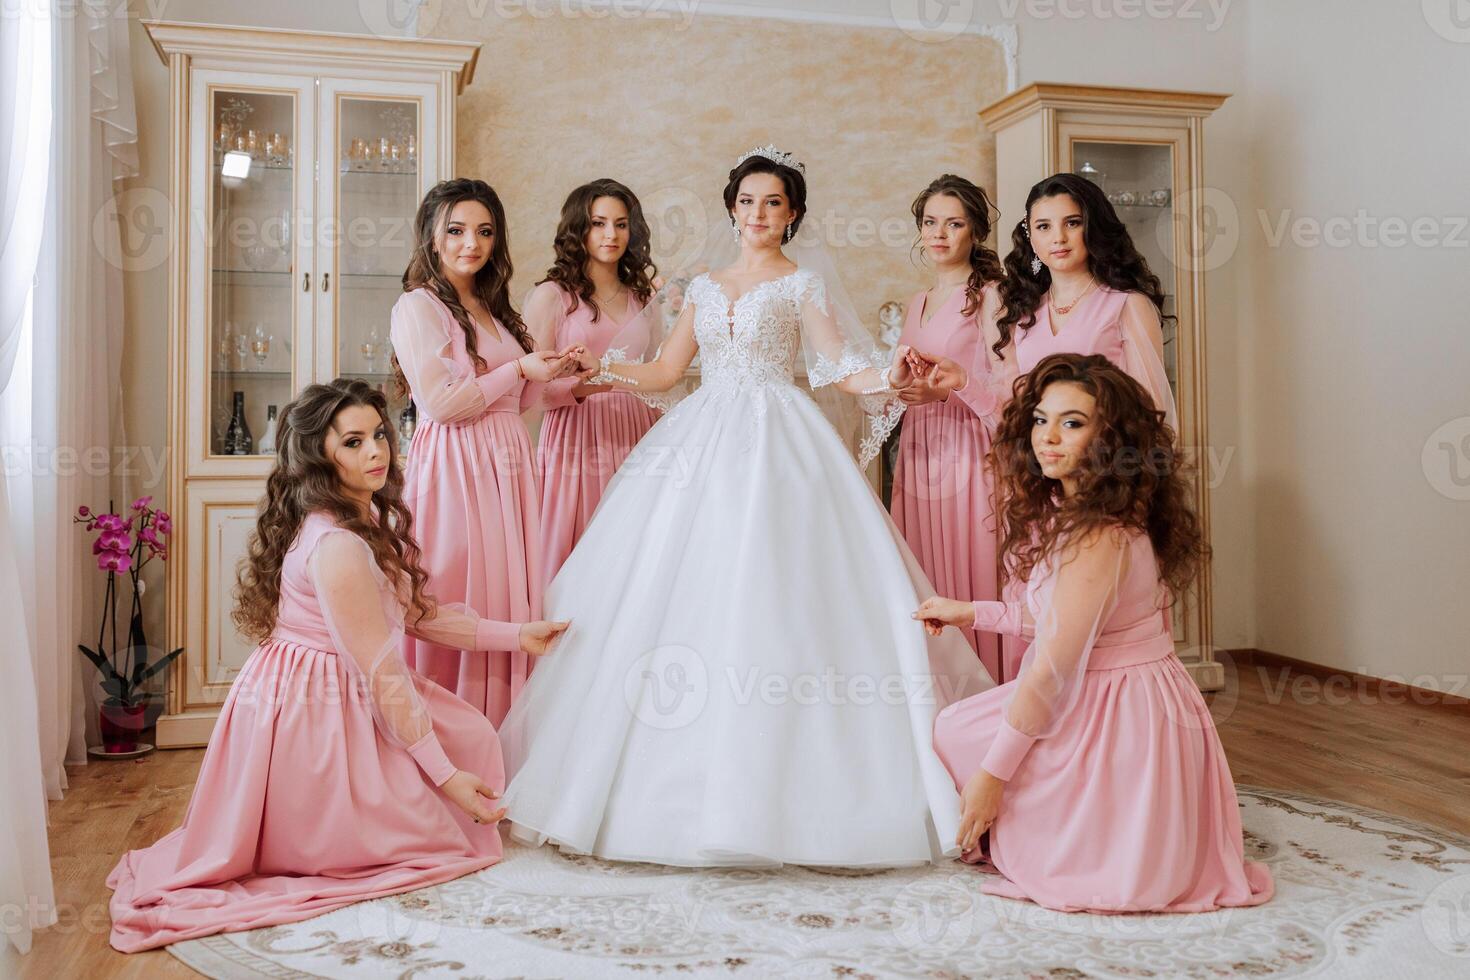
x: 743, y: 683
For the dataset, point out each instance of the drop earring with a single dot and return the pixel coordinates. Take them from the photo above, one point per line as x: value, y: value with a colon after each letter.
x: 735, y: 229
x: 1035, y: 259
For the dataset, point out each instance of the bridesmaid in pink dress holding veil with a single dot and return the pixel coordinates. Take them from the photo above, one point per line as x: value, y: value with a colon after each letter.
x: 461, y: 350
x: 1095, y: 781
x: 334, y: 774
x: 941, y: 484
x: 591, y: 297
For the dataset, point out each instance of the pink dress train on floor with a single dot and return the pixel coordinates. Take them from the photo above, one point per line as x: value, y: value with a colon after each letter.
x: 319, y: 787
x: 1118, y: 795
x: 1127, y: 330
x: 471, y: 485
x: 941, y: 482
x: 582, y: 443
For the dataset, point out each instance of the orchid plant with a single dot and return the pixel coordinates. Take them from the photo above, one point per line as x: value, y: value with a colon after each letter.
x: 126, y: 546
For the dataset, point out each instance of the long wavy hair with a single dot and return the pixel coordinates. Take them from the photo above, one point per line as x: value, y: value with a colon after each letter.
x: 569, y: 266
x: 1132, y: 476
x: 303, y: 480
x: 491, y: 283
x: 984, y: 262
x: 1112, y: 258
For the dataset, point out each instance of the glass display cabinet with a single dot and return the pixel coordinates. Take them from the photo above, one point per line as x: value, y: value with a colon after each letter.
x: 297, y: 162
x: 1145, y: 149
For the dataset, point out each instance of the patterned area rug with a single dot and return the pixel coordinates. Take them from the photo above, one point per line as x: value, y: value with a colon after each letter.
x: 1358, y: 894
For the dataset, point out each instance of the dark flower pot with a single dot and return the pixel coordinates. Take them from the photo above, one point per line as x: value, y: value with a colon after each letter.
x: 120, y: 725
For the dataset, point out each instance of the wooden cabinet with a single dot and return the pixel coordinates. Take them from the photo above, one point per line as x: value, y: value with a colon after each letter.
x: 1145, y: 148
x: 297, y: 162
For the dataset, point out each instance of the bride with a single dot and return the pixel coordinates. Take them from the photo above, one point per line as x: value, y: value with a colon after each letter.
x: 742, y: 683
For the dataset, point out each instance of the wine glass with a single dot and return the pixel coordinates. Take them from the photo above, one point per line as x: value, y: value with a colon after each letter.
x: 260, y: 344
x: 371, y: 347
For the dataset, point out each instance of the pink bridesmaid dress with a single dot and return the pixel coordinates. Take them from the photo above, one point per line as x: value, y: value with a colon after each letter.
x: 1123, y: 327
x: 319, y: 787
x: 471, y: 485
x: 941, y: 484
x: 1118, y: 797
x: 583, y: 443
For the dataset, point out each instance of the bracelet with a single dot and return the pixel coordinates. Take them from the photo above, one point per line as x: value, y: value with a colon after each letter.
x: 520, y: 370
x: 885, y: 383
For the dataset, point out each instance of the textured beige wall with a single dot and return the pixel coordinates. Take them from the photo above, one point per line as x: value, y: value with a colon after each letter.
x: 666, y: 107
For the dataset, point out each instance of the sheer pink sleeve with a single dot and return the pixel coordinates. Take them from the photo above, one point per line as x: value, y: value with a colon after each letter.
x: 458, y: 626
x: 545, y: 311
x: 1075, y: 605
x: 1010, y: 618
x: 365, y: 620
x: 988, y: 387
x: 1143, y: 353
x: 443, y: 389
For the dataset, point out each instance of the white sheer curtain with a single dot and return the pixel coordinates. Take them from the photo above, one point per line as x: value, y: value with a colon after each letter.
x: 26, y: 894
x: 68, y: 134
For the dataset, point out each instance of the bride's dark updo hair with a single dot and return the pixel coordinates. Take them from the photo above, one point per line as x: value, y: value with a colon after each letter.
x: 791, y: 178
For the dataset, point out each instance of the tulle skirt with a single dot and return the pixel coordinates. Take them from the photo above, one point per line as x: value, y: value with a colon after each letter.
x: 302, y: 807
x: 742, y: 683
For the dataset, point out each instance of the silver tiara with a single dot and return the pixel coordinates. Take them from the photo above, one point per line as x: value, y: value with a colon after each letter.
x: 771, y: 153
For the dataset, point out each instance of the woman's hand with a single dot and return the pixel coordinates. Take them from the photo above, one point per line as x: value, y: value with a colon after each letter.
x: 537, y: 637
x: 937, y: 612
x: 979, y: 804
x: 544, y: 365
x: 901, y: 374
x: 469, y: 792
x: 587, y: 365
x: 921, y: 391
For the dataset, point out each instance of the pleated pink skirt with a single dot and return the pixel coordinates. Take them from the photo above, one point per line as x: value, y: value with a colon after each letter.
x: 941, y: 504
x: 581, y: 447
x: 301, y: 807
x: 472, y: 490
x: 1128, y: 807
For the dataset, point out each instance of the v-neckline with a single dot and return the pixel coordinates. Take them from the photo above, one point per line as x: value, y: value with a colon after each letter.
x: 1054, y: 328
x: 924, y: 305
x: 730, y: 305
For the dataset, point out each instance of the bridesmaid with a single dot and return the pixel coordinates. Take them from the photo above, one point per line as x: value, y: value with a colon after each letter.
x: 598, y: 283
x: 334, y: 774
x: 465, y: 356
x: 941, y: 487
x: 1098, y: 773
x: 1076, y: 284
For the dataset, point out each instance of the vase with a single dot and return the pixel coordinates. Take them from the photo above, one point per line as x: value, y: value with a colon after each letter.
x: 120, y: 725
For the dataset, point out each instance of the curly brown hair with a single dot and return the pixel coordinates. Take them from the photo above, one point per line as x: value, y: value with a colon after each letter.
x: 1112, y: 258
x: 984, y: 262
x: 569, y: 267
x: 305, y: 480
x: 492, y: 282
x: 1133, y: 477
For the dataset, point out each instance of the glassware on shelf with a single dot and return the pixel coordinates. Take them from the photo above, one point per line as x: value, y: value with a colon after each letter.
x: 370, y: 348
x: 411, y: 153
x: 407, y: 422
x: 1159, y: 197
x: 260, y: 344
x: 1093, y: 174
x: 383, y: 152
x: 226, y: 349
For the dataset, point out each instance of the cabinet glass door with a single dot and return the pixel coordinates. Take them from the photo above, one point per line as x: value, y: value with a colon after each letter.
x: 1138, y: 179
x: 378, y: 171
x: 251, y: 265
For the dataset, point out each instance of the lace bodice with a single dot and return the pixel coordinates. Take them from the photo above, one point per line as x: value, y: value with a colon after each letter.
x: 755, y: 340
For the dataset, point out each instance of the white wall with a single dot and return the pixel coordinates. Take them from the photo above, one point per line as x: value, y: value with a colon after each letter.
x: 1360, y: 351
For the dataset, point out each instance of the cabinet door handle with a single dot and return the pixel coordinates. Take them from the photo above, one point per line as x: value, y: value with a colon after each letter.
x: 326, y: 281
x: 306, y: 282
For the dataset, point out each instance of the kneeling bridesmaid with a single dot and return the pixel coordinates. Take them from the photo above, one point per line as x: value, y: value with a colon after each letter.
x: 334, y: 773
x: 1095, y: 781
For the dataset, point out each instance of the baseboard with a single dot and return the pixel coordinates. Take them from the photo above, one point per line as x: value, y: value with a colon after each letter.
x: 186, y: 731
x: 1388, y: 691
